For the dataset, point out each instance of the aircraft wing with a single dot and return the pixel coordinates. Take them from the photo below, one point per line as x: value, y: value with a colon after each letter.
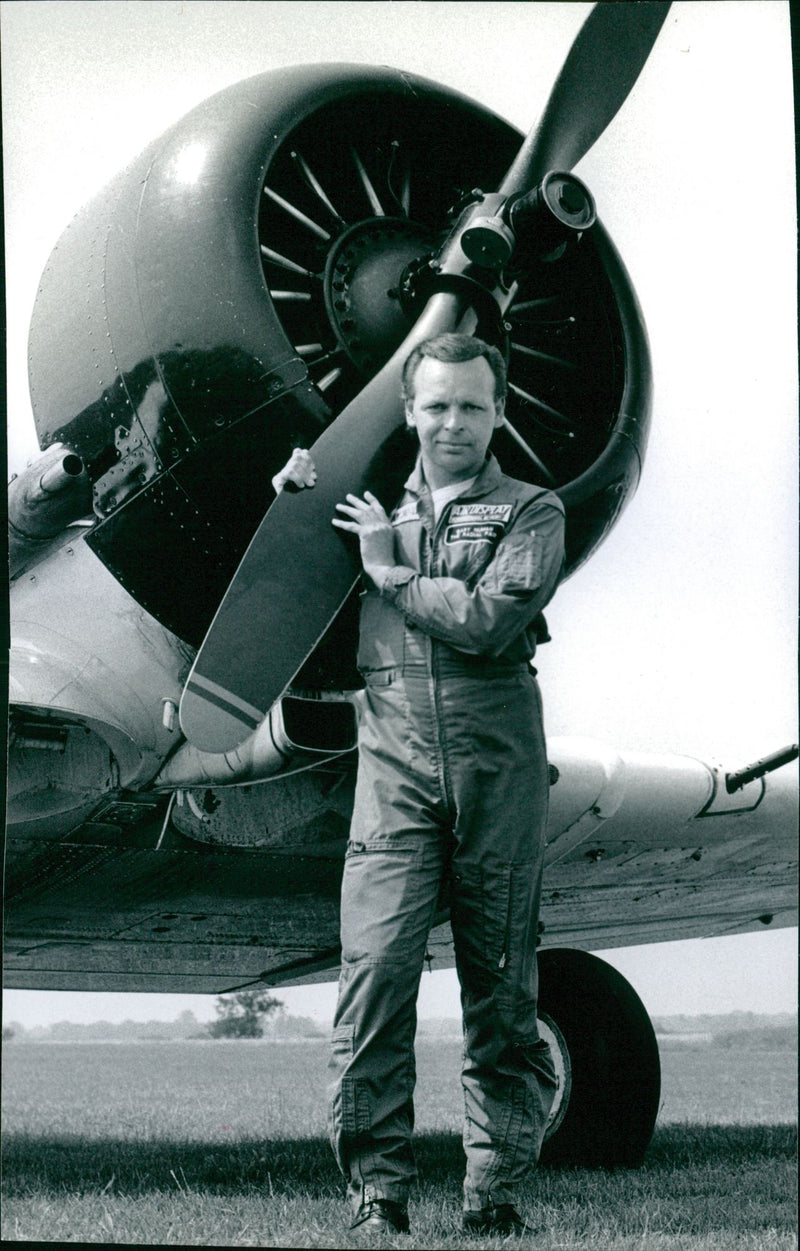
x: 213, y: 888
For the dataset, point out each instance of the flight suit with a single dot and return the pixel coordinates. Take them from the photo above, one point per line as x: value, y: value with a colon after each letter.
x: 450, y: 808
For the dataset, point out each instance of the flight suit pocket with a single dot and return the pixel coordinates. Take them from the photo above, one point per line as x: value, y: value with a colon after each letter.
x: 467, y: 560
x: 383, y: 904
x: 342, y: 1041
x: 479, y: 913
x: 519, y: 905
x: 517, y: 565
x: 517, y: 962
x: 351, y: 1107
x: 492, y: 917
x: 380, y: 677
x: 381, y: 630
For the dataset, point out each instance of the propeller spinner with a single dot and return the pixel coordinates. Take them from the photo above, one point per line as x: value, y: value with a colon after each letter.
x: 298, y: 570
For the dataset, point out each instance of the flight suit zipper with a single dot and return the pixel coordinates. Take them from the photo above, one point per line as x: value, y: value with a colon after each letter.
x: 447, y: 794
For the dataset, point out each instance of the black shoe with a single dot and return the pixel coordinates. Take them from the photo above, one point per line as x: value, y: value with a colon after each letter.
x: 503, y: 1219
x: 379, y: 1216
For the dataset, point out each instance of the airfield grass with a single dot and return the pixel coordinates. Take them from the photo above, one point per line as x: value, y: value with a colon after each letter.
x: 224, y: 1143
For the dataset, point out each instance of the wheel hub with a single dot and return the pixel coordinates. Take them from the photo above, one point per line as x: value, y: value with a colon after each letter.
x: 362, y: 279
x: 559, y: 1053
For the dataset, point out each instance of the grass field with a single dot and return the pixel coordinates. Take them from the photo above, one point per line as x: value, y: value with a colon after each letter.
x: 224, y: 1144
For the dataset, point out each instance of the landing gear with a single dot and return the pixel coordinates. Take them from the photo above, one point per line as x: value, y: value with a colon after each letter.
x: 606, y: 1058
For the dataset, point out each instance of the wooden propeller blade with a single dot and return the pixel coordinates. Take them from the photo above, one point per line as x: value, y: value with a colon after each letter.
x: 595, y: 80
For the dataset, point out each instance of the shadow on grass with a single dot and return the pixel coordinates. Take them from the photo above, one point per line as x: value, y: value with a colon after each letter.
x: 304, y: 1166
x: 676, y: 1145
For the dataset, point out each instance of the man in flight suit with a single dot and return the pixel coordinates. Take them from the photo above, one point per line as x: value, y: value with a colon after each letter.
x: 452, y: 793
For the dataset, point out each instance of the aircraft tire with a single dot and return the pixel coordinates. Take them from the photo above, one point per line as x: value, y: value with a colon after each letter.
x: 607, y: 1057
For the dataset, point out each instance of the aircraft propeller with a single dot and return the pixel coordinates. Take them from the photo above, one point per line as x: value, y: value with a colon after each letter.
x: 298, y: 569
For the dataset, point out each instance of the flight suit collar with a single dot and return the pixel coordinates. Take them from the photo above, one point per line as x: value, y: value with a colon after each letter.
x: 486, y: 481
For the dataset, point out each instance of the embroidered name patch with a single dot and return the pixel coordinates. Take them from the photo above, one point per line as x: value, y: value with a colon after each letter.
x: 476, y: 523
x: 474, y: 532
x: 480, y: 512
x: 408, y: 512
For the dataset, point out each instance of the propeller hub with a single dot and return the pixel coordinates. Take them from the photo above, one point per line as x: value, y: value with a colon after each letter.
x: 488, y: 242
x: 362, y: 282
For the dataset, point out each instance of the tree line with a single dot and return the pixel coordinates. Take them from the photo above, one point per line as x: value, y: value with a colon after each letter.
x: 251, y: 1013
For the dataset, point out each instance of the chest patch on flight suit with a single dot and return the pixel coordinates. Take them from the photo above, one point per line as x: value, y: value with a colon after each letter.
x: 476, y: 523
x: 408, y: 512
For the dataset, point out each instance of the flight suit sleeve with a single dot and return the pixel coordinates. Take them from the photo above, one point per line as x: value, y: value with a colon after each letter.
x: 514, y: 587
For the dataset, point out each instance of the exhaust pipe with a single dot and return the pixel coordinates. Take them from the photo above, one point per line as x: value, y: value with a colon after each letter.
x: 42, y: 501
x: 296, y: 728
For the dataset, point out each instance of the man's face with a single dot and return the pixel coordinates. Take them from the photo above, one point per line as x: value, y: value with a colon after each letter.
x: 454, y: 412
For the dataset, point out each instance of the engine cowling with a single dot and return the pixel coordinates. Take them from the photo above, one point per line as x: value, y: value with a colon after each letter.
x: 235, y: 286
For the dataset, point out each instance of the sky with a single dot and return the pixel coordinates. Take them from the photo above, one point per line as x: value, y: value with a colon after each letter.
x: 680, y: 633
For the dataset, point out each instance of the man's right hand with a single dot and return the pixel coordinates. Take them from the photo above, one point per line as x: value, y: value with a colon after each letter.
x: 299, y: 470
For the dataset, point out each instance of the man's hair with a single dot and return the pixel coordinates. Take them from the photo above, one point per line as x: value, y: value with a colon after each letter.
x: 454, y: 348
